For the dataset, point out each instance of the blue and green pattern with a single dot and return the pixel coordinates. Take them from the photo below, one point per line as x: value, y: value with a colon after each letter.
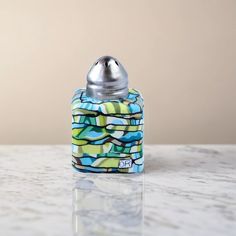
x: 107, y: 136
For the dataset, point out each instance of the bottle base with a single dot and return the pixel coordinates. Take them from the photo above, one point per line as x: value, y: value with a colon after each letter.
x: 91, y: 169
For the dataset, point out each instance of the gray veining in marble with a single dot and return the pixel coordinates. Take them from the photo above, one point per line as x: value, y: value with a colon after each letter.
x: 185, y: 190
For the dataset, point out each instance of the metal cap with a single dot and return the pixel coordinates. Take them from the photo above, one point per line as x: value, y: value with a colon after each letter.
x: 107, y: 79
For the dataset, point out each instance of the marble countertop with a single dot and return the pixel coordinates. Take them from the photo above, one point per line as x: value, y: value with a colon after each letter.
x: 185, y: 190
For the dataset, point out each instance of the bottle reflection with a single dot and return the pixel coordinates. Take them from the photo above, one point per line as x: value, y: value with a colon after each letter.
x: 108, y: 205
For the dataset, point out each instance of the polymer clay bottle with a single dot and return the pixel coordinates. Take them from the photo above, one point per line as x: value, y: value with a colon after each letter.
x: 107, y: 122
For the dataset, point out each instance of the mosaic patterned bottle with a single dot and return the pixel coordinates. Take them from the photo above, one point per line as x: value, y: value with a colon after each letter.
x: 107, y: 122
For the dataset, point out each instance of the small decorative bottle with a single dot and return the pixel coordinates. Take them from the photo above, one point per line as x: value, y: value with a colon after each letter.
x: 107, y: 122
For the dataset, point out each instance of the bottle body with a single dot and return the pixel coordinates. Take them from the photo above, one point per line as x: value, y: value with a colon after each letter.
x: 107, y: 135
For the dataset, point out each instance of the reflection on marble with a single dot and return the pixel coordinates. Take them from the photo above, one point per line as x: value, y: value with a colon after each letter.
x: 108, y: 205
x: 185, y: 190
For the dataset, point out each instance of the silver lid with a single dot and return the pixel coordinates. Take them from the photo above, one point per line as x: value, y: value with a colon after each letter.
x: 107, y: 79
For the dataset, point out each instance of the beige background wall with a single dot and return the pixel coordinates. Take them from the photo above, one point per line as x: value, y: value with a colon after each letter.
x: 181, y: 54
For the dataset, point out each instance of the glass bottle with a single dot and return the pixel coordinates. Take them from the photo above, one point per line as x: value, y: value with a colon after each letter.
x: 107, y: 122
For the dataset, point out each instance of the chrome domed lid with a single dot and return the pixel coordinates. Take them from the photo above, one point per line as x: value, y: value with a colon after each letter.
x: 107, y: 79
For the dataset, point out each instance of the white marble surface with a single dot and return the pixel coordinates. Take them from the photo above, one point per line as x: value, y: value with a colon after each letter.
x: 185, y: 190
